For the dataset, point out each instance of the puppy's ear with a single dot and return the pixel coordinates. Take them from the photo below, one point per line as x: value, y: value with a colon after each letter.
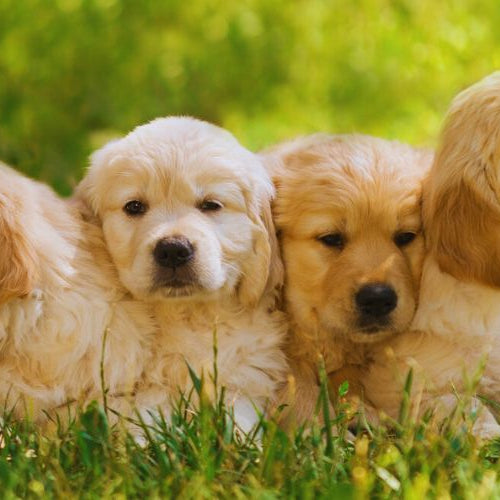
x: 276, y: 269
x: 461, y: 195
x: 263, y: 271
x: 18, y: 258
x: 84, y: 198
x: 463, y: 235
x: 87, y: 194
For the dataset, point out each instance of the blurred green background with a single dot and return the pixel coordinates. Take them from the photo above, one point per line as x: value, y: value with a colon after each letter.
x: 74, y: 73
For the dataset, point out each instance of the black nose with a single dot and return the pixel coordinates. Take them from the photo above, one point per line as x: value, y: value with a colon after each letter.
x: 376, y: 299
x: 173, y: 252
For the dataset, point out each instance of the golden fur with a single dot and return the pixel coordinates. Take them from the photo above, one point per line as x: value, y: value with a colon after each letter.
x: 366, y: 192
x: 175, y: 167
x: 457, y: 325
x: 59, y: 297
x: 462, y: 196
x: 19, y: 264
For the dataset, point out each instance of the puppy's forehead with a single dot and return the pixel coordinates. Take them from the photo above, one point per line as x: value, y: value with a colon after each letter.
x: 360, y: 182
x: 174, y: 174
x: 149, y: 173
x: 182, y: 146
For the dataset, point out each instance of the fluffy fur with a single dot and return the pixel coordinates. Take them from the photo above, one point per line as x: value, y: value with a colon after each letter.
x: 348, y: 211
x: 59, y: 297
x: 457, y: 326
x: 201, y: 190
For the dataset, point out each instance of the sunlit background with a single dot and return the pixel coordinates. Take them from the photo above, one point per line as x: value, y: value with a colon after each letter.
x: 74, y: 73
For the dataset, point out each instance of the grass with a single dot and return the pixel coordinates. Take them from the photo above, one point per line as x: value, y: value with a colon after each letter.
x: 201, y: 455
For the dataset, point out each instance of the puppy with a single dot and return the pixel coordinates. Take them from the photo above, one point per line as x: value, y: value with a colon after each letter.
x: 185, y: 212
x: 63, y: 312
x: 348, y: 211
x: 457, y: 325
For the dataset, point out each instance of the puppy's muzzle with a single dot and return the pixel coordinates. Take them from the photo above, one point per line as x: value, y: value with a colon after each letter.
x: 374, y: 302
x: 173, y: 252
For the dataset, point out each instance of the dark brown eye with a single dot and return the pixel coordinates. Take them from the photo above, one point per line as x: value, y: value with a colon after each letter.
x: 135, y: 208
x: 403, y: 239
x: 335, y: 240
x: 210, y: 206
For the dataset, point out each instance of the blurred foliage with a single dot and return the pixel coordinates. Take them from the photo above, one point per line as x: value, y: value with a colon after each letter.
x: 74, y: 73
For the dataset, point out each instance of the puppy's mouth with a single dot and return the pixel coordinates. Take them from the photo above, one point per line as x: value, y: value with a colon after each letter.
x: 362, y: 330
x: 366, y: 330
x: 175, y: 282
x: 372, y: 324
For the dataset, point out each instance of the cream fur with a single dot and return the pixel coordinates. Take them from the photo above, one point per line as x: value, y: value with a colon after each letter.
x: 172, y: 165
x: 459, y: 309
x: 368, y: 191
x: 58, y: 297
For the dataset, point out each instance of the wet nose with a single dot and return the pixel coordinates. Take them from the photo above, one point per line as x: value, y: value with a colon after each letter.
x: 376, y: 299
x: 173, y: 252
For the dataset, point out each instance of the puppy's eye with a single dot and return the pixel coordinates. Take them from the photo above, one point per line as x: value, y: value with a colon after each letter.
x: 335, y: 240
x: 403, y: 239
x: 210, y: 206
x: 135, y: 208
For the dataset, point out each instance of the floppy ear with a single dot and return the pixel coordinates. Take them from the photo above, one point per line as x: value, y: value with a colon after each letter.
x: 84, y: 197
x: 461, y: 196
x: 263, y: 271
x: 463, y: 234
x: 86, y: 194
x: 18, y: 258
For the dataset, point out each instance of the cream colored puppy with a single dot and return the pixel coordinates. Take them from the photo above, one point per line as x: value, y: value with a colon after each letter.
x: 348, y: 211
x: 185, y: 211
x: 63, y: 311
x: 457, y: 326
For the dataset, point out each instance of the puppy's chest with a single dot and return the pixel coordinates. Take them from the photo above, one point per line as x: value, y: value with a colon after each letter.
x: 338, y: 354
x: 245, y: 348
x: 228, y: 341
x: 347, y: 362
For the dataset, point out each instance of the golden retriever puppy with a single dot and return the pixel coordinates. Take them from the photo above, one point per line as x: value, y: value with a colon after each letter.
x: 185, y: 212
x: 457, y: 325
x: 63, y: 311
x: 348, y: 211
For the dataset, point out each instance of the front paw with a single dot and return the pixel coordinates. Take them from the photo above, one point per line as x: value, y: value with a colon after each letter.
x: 486, y: 427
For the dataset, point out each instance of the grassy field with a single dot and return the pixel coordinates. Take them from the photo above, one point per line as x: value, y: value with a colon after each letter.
x: 201, y: 456
x: 75, y: 73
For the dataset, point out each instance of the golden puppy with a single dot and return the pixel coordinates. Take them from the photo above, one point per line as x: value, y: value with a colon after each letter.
x: 348, y: 211
x: 62, y: 309
x: 457, y: 325
x: 185, y: 211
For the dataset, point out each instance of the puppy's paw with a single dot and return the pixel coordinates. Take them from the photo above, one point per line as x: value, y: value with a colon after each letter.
x: 486, y: 427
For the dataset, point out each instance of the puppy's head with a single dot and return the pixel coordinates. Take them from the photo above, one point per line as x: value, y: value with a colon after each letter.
x: 462, y: 194
x: 185, y: 211
x: 18, y: 257
x: 348, y: 210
